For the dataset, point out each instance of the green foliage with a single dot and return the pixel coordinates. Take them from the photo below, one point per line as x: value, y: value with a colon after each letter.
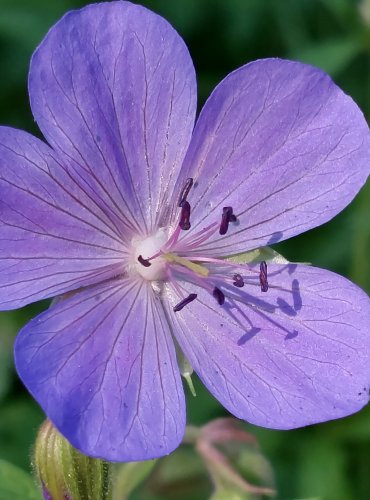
x: 15, y: 484
x: 129, y: 476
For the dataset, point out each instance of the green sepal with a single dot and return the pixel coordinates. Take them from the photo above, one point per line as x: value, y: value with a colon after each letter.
x: 258, y: 255
x: 65, y: 472
x: 185, y: 368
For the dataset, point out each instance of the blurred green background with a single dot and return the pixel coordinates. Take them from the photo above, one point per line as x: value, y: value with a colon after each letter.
x: 329, y: 461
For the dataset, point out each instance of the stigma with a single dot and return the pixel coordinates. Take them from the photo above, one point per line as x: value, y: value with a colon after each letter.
x: 155, y: 270
x: 173, y: 255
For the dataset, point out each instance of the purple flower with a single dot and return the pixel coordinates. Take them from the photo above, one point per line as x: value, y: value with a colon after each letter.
x: 129, y: 216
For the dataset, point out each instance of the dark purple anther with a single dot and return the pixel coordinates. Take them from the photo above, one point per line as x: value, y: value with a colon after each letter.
x: 263, y: 277
x: 227, y: 216
x: 185, y: 216
x: 218, y: 295
x: 238, y: 281
x: 185, y: 302
x: 143, y: 262
x: 185, y: 191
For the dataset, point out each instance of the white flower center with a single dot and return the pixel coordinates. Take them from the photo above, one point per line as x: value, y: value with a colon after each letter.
x: 146, y: 248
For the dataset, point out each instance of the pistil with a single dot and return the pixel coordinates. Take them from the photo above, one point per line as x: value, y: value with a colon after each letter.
x: 180, y: 259
x: 143, y: 262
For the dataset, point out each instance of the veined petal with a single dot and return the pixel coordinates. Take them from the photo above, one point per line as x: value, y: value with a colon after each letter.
x: 290, y: 357
x: 53, y: 236
x: 102, y: 365
x: 280, y: 143
x: 112, y: 86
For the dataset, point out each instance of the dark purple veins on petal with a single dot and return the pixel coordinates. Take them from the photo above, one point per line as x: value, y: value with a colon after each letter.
x: 143, y: 262
x: 185, y: 191
x: 185, y: 216
x: 185, y: 302
x: 227, y: 217
x: 218, y: 295
x: 263, y: 277
x: 238, y: 281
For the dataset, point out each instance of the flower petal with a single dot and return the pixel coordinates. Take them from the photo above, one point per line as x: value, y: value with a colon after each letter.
x: 280, y: 143
x: 54, y: 237
x: 113, y: 87
x: 102, y: 365
x: 290, y: 357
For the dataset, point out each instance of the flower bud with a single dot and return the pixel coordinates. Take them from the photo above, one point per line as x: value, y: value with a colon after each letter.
x: 232, y: 458
x: 64, y: 472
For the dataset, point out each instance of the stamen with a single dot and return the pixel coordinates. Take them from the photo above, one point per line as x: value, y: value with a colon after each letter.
x: 263, y: 277
x: 227, y: 217
x: 195, y: 240
x: 173, y: 239
x: 185, y: 216
x: 238, y: 281
x: 218, y: 295
x: 143, y: 262
x: 185, y: 191
x: 185, y: 302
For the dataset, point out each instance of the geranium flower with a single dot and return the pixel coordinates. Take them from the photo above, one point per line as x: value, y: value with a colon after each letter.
x: 129, y: 217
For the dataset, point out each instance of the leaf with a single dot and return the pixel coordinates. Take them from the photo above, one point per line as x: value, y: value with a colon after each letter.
x: 19, y: 420
x: 316, y: 477
x: 16, y: 484
x: 333, y: 55
x: 8, y: 330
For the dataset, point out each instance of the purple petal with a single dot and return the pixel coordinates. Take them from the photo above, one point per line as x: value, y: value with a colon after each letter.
x: 103, y: 367
x: 54, y: 237
x: 46, y: 493
x: 282, y: 145
x: 113, y: 87
x: 290, y: 357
